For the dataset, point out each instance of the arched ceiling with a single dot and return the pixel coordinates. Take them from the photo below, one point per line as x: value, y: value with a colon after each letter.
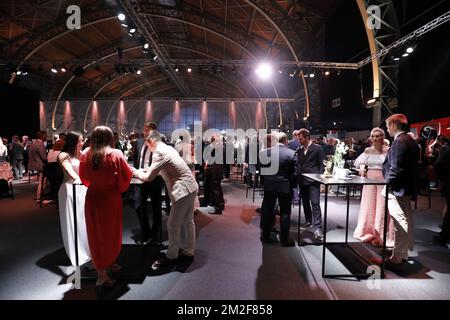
x: 35, y: 30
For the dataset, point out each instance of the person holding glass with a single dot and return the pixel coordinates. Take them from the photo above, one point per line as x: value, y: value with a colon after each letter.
x: 370, y: 226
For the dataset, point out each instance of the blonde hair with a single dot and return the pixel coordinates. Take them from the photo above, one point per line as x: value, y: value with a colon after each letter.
x: 386, y: 142
x: 378, y: 129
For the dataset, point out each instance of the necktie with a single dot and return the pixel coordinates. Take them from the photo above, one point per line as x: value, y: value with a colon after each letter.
x: 143, y: 157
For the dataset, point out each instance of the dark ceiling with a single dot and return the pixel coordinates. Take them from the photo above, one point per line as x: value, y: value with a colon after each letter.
x: 36, y: 31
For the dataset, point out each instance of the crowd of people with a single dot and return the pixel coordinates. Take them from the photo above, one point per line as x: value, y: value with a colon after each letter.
x: 102, y: 167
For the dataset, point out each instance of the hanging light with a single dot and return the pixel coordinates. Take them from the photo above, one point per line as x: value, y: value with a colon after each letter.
x: 121, y: 17
x: 54, y: 70
x: 189, y: 69
x: 264, y: 70
x: 146, y: 46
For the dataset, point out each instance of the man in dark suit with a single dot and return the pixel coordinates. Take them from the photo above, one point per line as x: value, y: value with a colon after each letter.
x: 400, y: 173
x: 442, y: 170
x: 310, y: 160
x: 278, y: 186
x: 142, y: 158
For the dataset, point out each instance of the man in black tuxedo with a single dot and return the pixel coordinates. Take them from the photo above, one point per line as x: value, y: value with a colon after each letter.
x: 400, y: 173
x: 442, y: 170
x: 142, y: 158
x: 278, y: 186
x: 310, y: 160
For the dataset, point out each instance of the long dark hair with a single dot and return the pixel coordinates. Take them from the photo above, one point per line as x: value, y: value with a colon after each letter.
x: 102, y: 137
x: 71, y: 142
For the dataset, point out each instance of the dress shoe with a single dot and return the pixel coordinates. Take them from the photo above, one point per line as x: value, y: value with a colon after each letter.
x: 267, y: 240
x: 288, y: 243
x: 396, y: 267
x: 144, y: 242
x: 318, y: 234
x: 163, y: 263
x: 305, y: 225
x: 184, y: 257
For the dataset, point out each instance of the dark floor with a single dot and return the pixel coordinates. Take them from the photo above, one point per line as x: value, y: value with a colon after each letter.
x: 230, y: 261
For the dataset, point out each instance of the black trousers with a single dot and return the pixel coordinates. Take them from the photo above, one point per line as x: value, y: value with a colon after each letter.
x: 213, y: 188
x: 445, y: 233
x: 310, y: 194
x: 268, y: 213
x: 143, y: 191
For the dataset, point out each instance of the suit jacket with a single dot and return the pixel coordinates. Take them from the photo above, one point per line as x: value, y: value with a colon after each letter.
x: 442, y: 169
x: 140, y: 143
x: 176, y: 174
x: 37, y: 156
x: 312, y: 162
x: 400, y: 166
x: 284, y: 180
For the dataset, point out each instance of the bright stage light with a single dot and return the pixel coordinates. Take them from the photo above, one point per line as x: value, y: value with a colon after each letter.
x: 132, y: 30
x: 146, y: 46
x: 139, y: 72
x: 405, y: 54
x: 53, y: 69
x: 410, y: 49
x: 63, y: 69
x: 121, y: 16
x: 371, y: 101
x: 176, y: 69
x: 305, y: 118
x: 311, y: 75
x: 189, y: 70
x: 264, y: 71
x: 327, y: 73
x: 396, y: 58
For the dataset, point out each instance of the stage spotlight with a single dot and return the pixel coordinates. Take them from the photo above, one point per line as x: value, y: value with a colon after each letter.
x: 139, y: 72
x: 177, y: 69
x: 396, y: 58
x: 312, y: 75
x: 405, y: 54
x: 327, y: 73
x: 264, y: 70
x: 18, y: 72
x: 189, y: 70
x: 146, y: 46
x: 155, y: 57
x: 124, y: 25
x: 121, y: 17
x: 292, y: 74
x: 409, y: 49
x: 54, y: 70
x: 370, y: 101
x: 132, y: 30
x: 63, y: 69
x: 305, y: 118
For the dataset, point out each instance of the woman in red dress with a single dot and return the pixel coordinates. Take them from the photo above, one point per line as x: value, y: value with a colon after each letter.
x: 107, y: 175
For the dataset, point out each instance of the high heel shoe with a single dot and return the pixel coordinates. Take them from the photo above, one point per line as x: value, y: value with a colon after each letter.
x: 107, y: 282
x: 115, y: 268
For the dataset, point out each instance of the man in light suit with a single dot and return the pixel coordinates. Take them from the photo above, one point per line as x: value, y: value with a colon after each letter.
x: 182, y: 189
x: 278, y: 186
x: 400, y: 173
x: 142, y: 158
x: 310, y: 160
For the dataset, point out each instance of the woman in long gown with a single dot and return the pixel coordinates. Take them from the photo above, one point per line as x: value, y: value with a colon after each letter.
x: 107, y: 175
x: 370, y: 227
x: 69, y: 161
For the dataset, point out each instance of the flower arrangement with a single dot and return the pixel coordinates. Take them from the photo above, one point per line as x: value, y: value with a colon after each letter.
x: 338, y: 158
x: 337, y: 161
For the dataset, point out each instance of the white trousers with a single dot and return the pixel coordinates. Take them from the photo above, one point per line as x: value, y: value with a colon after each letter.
x: 181, y: 215
x: 401, y: 213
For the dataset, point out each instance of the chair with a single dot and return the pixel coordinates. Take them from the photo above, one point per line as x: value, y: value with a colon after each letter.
x: 257, y: 185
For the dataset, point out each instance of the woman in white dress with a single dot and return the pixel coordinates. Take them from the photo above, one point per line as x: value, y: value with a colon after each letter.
x: 68, y: 160
x: 370, y: 227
